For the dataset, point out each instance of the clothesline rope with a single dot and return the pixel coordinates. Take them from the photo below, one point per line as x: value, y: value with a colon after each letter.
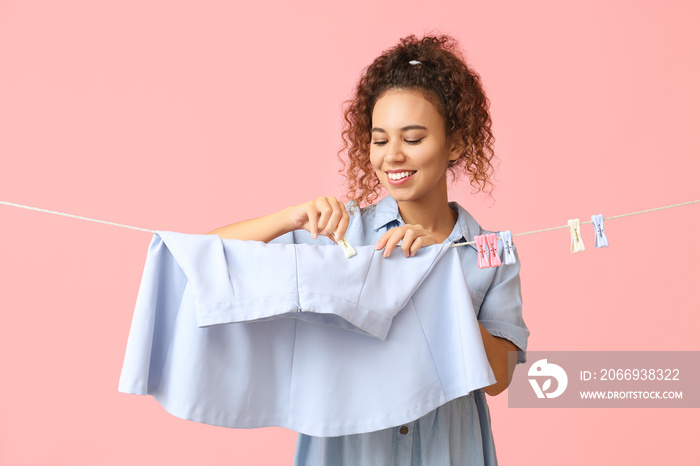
x: 80, y: 217
x: 589, y: 221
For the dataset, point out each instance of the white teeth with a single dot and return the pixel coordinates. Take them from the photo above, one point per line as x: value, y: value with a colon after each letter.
x: 400, y: 175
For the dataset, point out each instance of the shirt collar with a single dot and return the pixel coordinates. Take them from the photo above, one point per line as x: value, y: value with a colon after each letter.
x: 387, y: 211
x: 466, y: 227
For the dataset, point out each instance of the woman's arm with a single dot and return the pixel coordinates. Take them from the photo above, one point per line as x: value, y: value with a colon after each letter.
x: 497, y: 353
x: 323, y: 215
x: 264, y: 228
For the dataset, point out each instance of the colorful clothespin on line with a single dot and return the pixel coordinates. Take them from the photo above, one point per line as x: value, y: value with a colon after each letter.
x: 576, y: 239
x: 482, y: 250
x: 347, y: 249
x: 508, y: 250
x: 487, y: 250
x: 492, y: 243
x: 601, y: 241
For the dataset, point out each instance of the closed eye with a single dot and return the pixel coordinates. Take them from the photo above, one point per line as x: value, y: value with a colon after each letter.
x: 407, y: 141
x: 413, y: 141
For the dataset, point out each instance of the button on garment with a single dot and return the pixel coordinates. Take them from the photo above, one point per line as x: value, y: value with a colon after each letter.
x: 456, y: 434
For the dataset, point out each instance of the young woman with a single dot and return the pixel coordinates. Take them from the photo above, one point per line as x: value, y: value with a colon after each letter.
x: 419, y: 111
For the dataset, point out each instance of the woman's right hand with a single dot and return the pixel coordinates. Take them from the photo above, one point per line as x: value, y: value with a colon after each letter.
x: 325, y: 216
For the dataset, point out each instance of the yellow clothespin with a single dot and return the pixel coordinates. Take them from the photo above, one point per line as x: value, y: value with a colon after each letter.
x: 576, y: 239
x: 347, y: 249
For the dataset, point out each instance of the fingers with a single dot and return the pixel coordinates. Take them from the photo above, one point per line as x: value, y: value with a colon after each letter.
x: 416, y: 245
x: 411, y: 237
x: 326, y: 217
x: 344, y: 221
x: 408, y: 239
x: 337, y: 222
x: 325, y: 211
x: 312, y: 222
x: 389, y: 240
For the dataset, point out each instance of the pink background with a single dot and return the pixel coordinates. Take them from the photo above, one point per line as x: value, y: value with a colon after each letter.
x: 187, y: 116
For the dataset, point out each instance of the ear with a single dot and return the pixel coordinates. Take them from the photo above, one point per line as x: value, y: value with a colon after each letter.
x: 456, y: 149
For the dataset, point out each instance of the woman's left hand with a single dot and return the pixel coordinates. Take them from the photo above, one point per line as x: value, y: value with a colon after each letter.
x: 412, y: 237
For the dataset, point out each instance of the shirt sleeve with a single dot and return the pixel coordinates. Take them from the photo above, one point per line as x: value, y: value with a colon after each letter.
x: 501, y: 312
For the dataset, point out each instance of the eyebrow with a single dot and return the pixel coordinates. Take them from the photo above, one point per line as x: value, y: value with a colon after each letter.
x: 405, y: 128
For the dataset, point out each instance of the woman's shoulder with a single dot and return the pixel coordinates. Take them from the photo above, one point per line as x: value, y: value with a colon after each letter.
x: 467, y: 227
x: 353, y: 208
x: 368, y: 223
x: 465, y: 231
x: 365, y: 214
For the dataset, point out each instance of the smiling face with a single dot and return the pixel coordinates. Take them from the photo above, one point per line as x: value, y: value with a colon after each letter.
x: 409, y: 149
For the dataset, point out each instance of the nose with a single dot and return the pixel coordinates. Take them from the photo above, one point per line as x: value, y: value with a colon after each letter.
x: 394, y: 152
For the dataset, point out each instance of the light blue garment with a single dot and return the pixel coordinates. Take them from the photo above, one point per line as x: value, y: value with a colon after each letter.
x: 459, y: 432
x: 244, y: 281
x: 247, y: 334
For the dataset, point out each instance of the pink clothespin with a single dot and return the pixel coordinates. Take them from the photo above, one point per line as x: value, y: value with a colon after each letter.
x: 482, y: 250
x: 494, y: 258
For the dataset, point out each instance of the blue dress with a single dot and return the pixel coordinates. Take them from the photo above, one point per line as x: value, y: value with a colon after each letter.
x: 459, y: 432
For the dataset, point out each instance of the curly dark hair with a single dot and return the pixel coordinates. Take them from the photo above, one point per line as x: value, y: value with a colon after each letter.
x: 446, y: 81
